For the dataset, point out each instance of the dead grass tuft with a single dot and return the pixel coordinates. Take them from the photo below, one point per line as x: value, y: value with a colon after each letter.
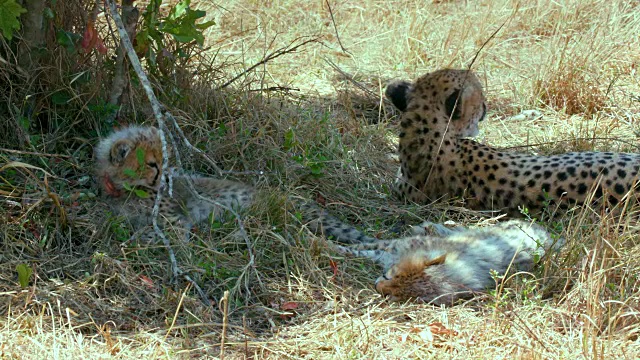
x: 572, y: 90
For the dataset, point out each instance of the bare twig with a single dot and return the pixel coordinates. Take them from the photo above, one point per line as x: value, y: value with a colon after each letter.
x: 485, y: 43
x: 157, y: 111
x: 224, y: 307
x: 282, y: 51
x: 160, y: 114
x: 555, y: 142
x: 335, y: 28
x: 351, y: 79
x: 248, y: 172
x: 190, y: 146
x: 33, y: 153
x: 460, y: 94
x: 276, y: 88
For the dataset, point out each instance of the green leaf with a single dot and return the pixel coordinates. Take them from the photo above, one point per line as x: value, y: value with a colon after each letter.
x: 205, y: 25
x: 130, y: 173
x: 179, y: 9
x: 141, y: 193
x: 288, y: 139
x: 316, y: 168
x: 138, y: 192
x: 60, y: 97
x: 24, y: 122
x: 103, y: 111
x: 181, y: 23
x: 48, y: 13
x: 9, y: 13
x: 222, y: 129
x: 140, y: 156
x: 67, y: 39
x: 24, y: 274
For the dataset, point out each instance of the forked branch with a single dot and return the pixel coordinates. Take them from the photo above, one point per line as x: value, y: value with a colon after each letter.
x: 161, y: 114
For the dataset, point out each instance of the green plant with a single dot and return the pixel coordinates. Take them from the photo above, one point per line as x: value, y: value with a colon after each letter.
x: 24, y: 274
x: 118, y: 228
x: 311, y: 157
x: 154, y: 40
x: 9, y: 14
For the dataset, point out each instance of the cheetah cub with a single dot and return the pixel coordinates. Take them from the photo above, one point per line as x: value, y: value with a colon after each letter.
x: 129, y: 169
x: 441, y: 109
x: 454, y: 263
x: 131, y: 159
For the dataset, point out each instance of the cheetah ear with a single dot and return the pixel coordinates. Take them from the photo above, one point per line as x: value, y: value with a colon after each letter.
x: 120, y: 150
x: 453, y: 109
x: 437, y: 261
x: 398, y: 91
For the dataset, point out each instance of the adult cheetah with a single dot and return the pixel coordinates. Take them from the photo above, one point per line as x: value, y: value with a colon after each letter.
x: 442, y: 108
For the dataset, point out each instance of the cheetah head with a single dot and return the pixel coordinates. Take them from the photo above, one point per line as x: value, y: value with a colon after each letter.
x: 452, y: 98
x: 131, y: 156
x: 412, y: 278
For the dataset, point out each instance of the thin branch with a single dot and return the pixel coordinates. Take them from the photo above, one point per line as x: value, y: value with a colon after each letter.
x: 160, y: 114
x: 275, y: 88
x: 485, y: 43
x: 157, y: 111
x: 33, y: 153
x: 335, y: 28
x: 190, y: 146
x: 460, y: 94
x: 224, y: 308
x: 282, y: 51
x: 351, y: 79
x: 555, y: 142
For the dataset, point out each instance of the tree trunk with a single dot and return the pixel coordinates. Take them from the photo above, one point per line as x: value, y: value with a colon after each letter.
x: 130, y: 18
x: 32, y: 34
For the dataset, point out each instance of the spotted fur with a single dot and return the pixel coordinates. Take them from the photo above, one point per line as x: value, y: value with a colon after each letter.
x: 442, y: 108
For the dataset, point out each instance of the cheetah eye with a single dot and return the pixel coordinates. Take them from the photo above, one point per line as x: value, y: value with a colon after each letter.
x: 152, y: 164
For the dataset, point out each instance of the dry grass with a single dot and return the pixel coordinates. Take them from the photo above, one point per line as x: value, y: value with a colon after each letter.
x: 95, y: 295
